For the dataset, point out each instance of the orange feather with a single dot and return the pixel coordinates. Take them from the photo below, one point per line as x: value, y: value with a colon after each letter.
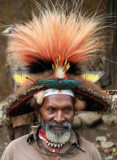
x: 52, y: 34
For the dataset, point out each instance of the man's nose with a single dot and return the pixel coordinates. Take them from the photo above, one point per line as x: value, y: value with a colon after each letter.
x: 59, y: 118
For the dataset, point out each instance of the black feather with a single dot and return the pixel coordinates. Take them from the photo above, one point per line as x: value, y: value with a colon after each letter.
x: 75, y: 69
x: 41, y: 66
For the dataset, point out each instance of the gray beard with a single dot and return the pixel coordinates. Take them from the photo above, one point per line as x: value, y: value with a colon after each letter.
x: 57, y: 136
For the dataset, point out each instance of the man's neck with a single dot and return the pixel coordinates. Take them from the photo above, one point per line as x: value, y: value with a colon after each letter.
x: 54, y: 151
x: 47, y: 145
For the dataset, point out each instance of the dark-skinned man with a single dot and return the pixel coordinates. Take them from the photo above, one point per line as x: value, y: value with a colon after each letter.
x: 54, y: 137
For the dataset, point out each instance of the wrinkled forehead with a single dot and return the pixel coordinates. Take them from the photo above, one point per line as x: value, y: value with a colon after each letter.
x: 58, y: 99
x: 54, y: 95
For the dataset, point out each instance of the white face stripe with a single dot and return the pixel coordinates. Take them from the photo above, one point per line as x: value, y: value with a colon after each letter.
x: 51, y: 91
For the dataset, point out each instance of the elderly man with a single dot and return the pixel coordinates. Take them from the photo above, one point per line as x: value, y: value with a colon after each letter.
x: 50, y: 49
x: 54, y: 138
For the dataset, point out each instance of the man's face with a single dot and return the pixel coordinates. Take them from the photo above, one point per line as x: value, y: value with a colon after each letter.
x: 57, y: 114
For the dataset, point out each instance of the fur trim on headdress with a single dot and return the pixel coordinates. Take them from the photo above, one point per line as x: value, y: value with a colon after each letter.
x: 80, y: 105
x: 39, y: 97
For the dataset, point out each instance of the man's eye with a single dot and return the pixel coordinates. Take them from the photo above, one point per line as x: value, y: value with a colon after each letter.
x: 51, y: 109
x: 68, y: 109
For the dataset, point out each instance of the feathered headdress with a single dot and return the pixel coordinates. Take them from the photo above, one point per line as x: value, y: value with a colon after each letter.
x: 52, y: 48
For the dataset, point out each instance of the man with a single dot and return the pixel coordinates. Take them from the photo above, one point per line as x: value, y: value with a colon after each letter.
x: 51, y: 49
x: 54, y: 138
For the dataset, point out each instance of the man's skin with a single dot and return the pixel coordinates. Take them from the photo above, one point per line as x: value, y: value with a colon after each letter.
x: 58, y: 108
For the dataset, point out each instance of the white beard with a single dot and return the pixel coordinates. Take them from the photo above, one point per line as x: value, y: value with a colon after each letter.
x: 58, y: 137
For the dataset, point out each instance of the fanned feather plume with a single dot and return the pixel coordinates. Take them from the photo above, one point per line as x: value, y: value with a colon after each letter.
x: 48, y: 52
x: 53, y: 33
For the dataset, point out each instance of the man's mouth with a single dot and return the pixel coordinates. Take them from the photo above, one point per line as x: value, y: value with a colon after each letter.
x: 58, y: 128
